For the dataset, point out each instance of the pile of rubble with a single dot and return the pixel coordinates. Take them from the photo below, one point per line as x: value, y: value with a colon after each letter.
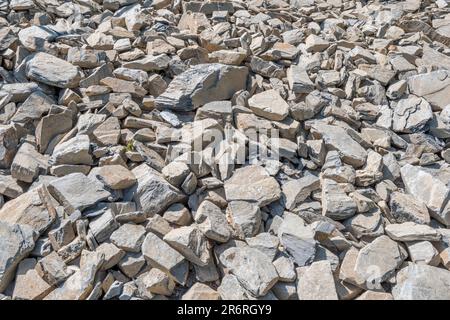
x: 260, y: 149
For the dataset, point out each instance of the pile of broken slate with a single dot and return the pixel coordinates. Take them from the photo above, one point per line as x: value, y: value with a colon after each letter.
x: 103, y: 101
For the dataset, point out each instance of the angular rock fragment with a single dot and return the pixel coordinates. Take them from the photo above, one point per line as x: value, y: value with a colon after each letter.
x: 20, y: 240
x: 160, y: 255
x: 206, y: 83
x: 253, y: 269
x: 77, y: 192
x: 48, y: 69
x: 252, y: 183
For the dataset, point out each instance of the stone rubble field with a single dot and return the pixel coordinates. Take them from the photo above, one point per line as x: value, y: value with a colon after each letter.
x: 110, y: 189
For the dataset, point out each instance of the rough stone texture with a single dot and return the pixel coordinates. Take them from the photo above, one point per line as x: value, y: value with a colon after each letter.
x: 34, y: 208
x: 252, y: 183
x: 422, y: 282
x: 429, y: 190
x: 378, y: 260
x: 160, y: 255
x: 253, y: 269
x: 77, y: 192
x: 316, y: 282
x: 45, y: 68
x: 206, y: 83
x: 152, y: 193
x: 18, y: 242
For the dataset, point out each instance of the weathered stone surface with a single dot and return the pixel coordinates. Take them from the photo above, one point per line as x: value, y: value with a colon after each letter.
x: 298, y: 239
x: 422, y: 282
x: 35, y: 208
x: 191, y: 243
x: 335, y: 203
x: 73, y: 151
x: 20, y: 241
x: 79, y: 285
x: 405, y: 207
x: 152, y: 193
x: 378, y: 260
x: 200, y: 291
x: 410, y: 231
x: 298, y: 79
x: 77, y: 192
x: 316, y: 282
x: 252, y: 183
x: 411, y: 114
x: 432, y: 86
x: 8, y: 145
x: 245, y: 217
x: 115, y: 177
x: 206, y: 83
x: 48, y: 69
x: 231, y: 289
x: 129, y: 237
x: 336, y: 138
x: 296, y: 191
x: 28, y: 284
x: 253, y: 269
x: 269, y: 105
x: 158, y: 282
x: 212, y: 222
x: 429, y: 190
x: 160, y: 255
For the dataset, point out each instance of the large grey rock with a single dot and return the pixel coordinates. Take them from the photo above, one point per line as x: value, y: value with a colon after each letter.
x: 8, y: 145
x: 245, y: 217
x: 191, y: 243
x: 433, y: 87
x: 298, y: 239
x: 17, y: 242
x: 378, y: 261
x: 336, y: 138
x: 28, y: 163
x: 336, y: 204
x: 296, y: 191
x: 422, y: 282
x: 160, y: 255
x: 212, y: 222
x: 129, y: 237
x: 410, y: 231
x: 48, y: 69
x: 152, y: 193
x: 428, y: 189
x: 298, y: 79
x: 73, y: 151
x: 252, y: 268
x: 35, y: 208
x: 405, y: 207
x: 202, y: 84
x: 231, y: 289
x: 316, y: 282
x: 269, y: 104
x: 80, y: 284
x: 411, y: 114
x: 33, y: 37
x: 75, y: 191
x: 252, y: 183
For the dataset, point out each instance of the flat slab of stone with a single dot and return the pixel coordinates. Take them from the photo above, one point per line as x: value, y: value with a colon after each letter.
x: 48, y: 69
x: 20, y: 242
x: 152, y: 193
x: 253, y: 269
x: 75, y: 191
x: 201, y: 84
x: 252, y: 183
